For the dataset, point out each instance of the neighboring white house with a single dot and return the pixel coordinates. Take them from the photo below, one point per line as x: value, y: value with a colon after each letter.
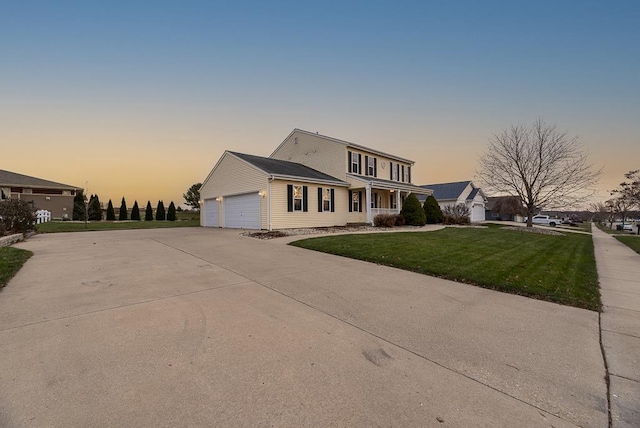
x: 460, y: 192
x: 310, y: 180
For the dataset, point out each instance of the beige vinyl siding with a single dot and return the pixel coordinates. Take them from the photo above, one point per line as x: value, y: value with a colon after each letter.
x: 233, y: 176
x: 315, y: 152
x: 382, y: 172
x: 282, y: 219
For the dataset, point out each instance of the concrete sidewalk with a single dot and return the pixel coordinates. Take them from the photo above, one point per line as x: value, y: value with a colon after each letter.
x: 619, y: 273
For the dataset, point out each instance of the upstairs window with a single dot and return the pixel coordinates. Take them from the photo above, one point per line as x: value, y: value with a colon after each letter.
x: 354, y: 163
x: 371, y: 166
x: 394, y: 172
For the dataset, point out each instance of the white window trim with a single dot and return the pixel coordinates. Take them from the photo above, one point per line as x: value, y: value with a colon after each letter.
x: 300, y: 198
x: 355, y: 202
x: 371, y: 166
x: 355, y: 164
x: 326, y: 198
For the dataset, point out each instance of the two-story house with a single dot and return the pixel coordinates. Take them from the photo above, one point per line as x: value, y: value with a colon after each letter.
x: 310, y: 180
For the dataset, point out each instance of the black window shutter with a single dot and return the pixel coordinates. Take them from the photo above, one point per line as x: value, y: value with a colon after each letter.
x: 409, y: 173
x: 349, y: 158
x: 319, y: 199
x: 305, y: 206
x: 359, y: 163
x: 350, y: 201
x: 333, y: 207
x: 402, y: 176
x: 375, y: 167
x: 289, y: 197
x: 375, y: 200
x: 366, y: 165
x: 390, y: 170
x: 360, y: 201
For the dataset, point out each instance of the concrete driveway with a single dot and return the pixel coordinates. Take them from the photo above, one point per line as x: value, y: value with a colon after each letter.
x: 203, y: 327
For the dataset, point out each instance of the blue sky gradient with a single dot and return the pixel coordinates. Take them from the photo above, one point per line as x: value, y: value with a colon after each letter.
x: 119, y: 93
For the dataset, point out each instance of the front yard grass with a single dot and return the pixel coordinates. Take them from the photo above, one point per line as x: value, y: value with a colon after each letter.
x: 68, y: 226
x: 11, y: 260
x: 631, y: 241
x: 559, y: 269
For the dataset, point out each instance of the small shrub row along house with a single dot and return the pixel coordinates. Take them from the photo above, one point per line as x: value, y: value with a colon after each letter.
x: 310, y: 180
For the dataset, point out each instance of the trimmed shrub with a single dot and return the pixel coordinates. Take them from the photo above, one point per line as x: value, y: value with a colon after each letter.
x: 135, y: 212
x: 95, y: 210
x: 432, y: 210
x: 160, y: 213
x: 399, y: 219
x: 78, y: 206
x: 123, y: 215
x: 171, y: 212
x: 413, y: 212
x: 148, y: 212
x: 16, y: 216
x: 111, y: 214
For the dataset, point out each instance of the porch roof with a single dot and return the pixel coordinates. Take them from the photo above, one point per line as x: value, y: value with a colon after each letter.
x: 389, y: 185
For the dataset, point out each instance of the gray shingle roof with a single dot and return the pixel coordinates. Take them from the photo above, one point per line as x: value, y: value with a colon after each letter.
x: 280, y: 167
x: 8, y: 178
x: 444, y: 191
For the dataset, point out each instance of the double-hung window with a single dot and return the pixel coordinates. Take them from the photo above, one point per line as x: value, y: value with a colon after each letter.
x: 326, y: 199
x: 371, y: 166
x: 297, y: 198
x: 355, y: 162
x: 394, y: 172
x: 355, y: 201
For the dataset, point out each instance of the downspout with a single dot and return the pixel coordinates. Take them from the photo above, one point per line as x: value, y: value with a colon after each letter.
x: 269, y: 202
x: 368, y: 202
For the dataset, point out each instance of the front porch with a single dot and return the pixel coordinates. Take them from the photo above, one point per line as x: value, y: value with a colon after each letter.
x: 382, y: 196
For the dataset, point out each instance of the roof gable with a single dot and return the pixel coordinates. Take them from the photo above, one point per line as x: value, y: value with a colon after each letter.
x: 284, y: 168
x: 20, y: 180
x: 445, y: 191
x: 344, y: 143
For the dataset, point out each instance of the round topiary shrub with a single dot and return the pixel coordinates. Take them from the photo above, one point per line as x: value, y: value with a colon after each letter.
x: 432, y: 210
x: 413, y: 212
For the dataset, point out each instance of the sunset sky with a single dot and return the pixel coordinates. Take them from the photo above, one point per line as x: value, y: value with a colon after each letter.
x: 140, y: 99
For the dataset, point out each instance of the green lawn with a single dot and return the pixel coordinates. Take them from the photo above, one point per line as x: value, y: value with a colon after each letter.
x: 11, y: 260
x: 631, y: 241
x: 559, y: 269
x: 67, y: 226
x: 582, y: 227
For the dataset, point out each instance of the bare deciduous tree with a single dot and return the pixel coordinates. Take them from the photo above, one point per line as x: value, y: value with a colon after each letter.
x: 539, y: 164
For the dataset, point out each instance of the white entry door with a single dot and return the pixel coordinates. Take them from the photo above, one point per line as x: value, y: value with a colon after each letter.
x: 242, y: 211
x: 477, y: 213
x: 211, y: 218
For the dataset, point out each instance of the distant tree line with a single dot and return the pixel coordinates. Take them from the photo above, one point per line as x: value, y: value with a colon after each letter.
x: 92, y: 209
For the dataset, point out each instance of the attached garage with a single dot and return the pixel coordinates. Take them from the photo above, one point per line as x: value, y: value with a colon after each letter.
x: 477, y: 213
x: 242, y: 211
x: 211, y: 217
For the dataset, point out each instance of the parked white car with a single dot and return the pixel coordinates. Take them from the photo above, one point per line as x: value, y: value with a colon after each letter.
x: 544, y: 220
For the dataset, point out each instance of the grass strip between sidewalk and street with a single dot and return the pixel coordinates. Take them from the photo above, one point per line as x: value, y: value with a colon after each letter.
x: 68, y: 226
x: 631, y: 241
x: 11, y: 260
x: 560, y: 269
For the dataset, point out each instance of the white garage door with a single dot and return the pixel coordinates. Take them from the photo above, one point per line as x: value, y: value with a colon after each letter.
x: 211, y: 213
x: 242, y: 211
x: 477, y: 213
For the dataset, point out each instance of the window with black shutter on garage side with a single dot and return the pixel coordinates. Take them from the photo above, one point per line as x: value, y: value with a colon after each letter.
x: 325, y: 200
x: 297, y: 197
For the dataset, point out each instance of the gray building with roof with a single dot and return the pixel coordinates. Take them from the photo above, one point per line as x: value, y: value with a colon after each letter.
x: 41, y: 194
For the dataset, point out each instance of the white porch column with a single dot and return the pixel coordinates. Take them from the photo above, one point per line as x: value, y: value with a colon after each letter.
x: 368, y: 202
x: 398, y: 207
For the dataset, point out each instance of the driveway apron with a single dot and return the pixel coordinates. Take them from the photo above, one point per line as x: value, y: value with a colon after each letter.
x: 204, y: 327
